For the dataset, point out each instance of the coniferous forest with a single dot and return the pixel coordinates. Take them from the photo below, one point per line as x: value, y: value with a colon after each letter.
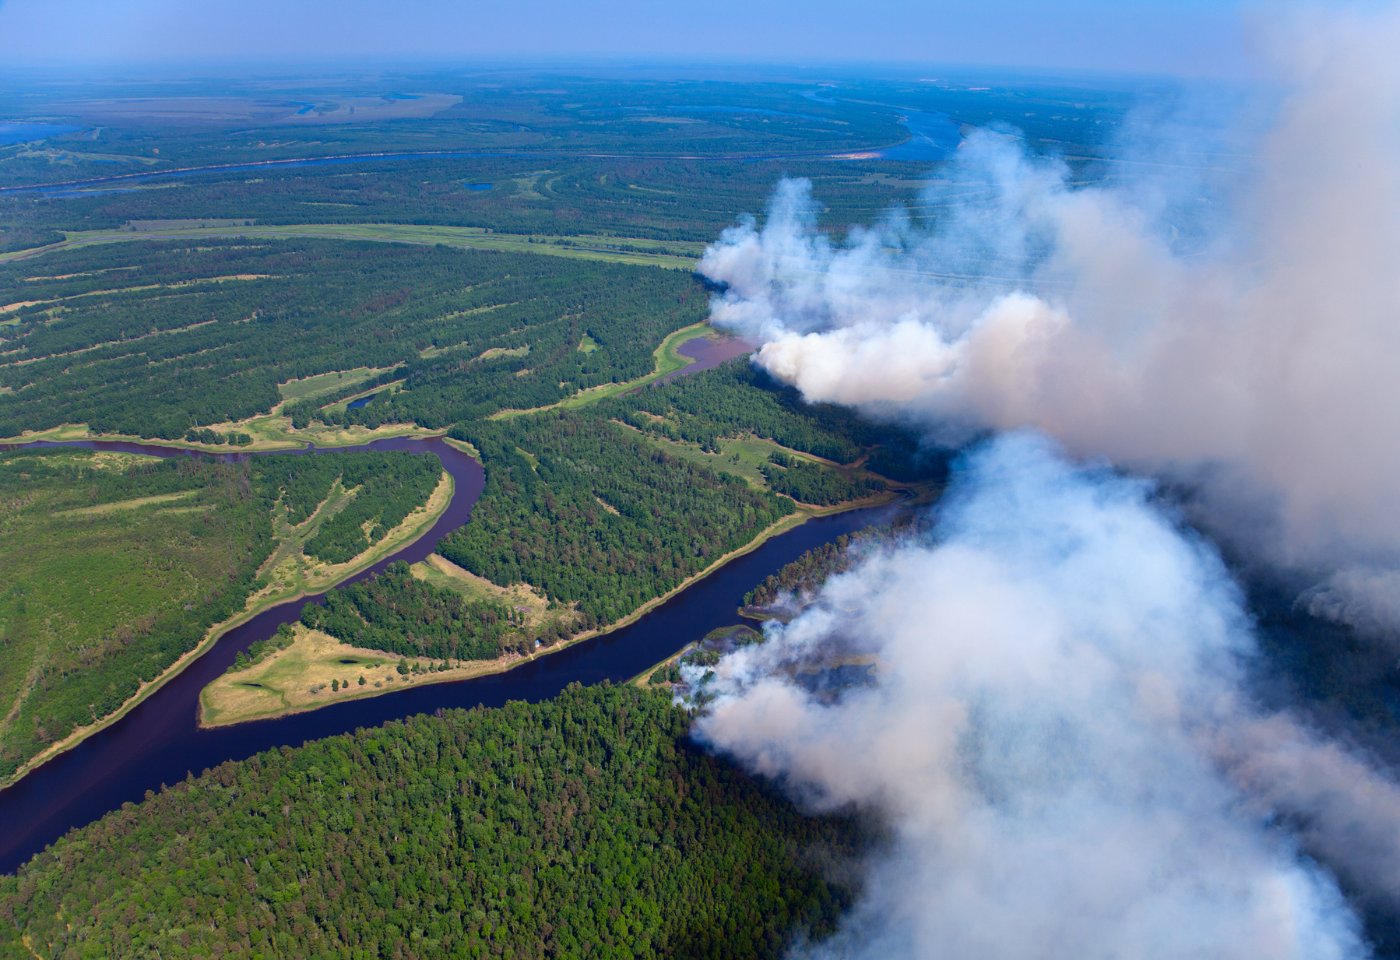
x: 400, y: 614
x: 173, y: 337
x: 584, y: 826
x: 588, y: 512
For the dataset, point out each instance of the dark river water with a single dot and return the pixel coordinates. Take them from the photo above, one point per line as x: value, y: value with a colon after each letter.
x: 159, y: 743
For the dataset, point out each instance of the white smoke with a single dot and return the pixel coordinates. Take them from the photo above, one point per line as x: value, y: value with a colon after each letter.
x: 1057, y: 740
x: 1261, y: 365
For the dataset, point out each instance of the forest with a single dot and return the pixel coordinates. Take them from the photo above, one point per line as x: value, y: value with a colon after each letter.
x: 389, y: 486
x: 736, y: 398
x: 397, y: 613
x: 156, y: 339
x: 808, y: 572
x: 587, y: 825
x: 589, y: 513
x: 568, y: 117
x: 116, y: 566
x: 806, y: 482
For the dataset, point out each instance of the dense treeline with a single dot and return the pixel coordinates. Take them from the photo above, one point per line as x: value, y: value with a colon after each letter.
x: 400, y: 614
x: 809, y: 571
x: 174, y: 338
x: 680, y: 202
x: 582, y: 826
x: 806, y: 482
x: 104, y: 600
x: 388, y: 486
x: 736, y: 398
x: 588, y: 512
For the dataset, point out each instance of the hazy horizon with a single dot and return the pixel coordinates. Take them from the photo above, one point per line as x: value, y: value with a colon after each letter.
x: 1189, y: 38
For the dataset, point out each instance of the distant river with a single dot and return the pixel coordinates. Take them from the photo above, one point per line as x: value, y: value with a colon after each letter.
x: 934, y: 137
x: 159, y: 743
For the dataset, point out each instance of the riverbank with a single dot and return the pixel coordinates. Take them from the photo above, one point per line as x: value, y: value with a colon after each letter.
x: 298, y: 679
x: 319, y: 577
x: 307, y: 664
x: 159, y: 742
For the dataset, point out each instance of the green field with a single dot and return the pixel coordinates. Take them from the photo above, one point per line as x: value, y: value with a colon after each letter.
x: 117, y: 566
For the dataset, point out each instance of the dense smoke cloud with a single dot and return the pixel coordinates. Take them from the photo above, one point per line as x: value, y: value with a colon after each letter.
x: 1057, y: 740
x: 1259, y: 364
x: 1060, y: 737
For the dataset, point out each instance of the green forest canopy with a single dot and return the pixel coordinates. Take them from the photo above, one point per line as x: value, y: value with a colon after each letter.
x: 155, y: 339
x: 589, y: 513
x: 587, y: 825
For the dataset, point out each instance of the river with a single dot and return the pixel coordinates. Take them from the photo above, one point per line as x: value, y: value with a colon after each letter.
x: 159, y: 742
x: 934, y: 137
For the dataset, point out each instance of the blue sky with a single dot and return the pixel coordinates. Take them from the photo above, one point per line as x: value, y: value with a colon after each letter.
x: 1193, y: 37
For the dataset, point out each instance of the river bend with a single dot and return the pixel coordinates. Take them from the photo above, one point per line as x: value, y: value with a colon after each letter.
x: 159, y: 741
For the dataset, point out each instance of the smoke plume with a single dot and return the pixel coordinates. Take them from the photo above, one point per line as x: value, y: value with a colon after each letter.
x: 1251, y: 351
x: 1060, y: 737
x: 1058, y: 740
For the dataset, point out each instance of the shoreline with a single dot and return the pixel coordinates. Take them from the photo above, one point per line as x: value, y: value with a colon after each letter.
x: 783, y: 525
x: 252, y: 608
x: 478, y: 668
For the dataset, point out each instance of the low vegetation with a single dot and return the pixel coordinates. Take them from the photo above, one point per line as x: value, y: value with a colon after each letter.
x: 96, y: 602
x: 300, y: 669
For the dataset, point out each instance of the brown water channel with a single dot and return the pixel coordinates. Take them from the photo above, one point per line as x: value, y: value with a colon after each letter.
x: 159, y: 742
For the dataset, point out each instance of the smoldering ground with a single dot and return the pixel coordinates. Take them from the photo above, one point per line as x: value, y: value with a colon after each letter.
x: 1064, y: 736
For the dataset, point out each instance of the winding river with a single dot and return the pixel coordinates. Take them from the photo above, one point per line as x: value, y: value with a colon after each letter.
x: 159, y: 742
